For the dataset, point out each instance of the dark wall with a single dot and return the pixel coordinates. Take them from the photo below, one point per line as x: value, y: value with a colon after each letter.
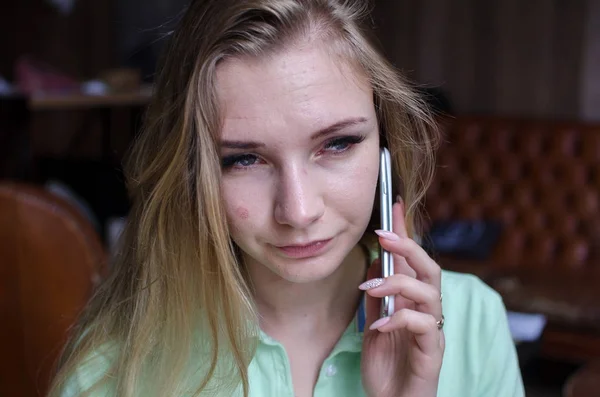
x: 80, y: 43
x: 141, y: 29
x: 514, y: 57
x: 534, y: 58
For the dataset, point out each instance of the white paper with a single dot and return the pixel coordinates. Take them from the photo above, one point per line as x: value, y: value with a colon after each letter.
x: 526, y: 327
x: 5, y: 87
x: 64, y: 6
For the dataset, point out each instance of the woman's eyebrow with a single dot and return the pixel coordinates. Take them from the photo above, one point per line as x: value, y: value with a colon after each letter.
x: 246, y: 145
x: 340, y: 125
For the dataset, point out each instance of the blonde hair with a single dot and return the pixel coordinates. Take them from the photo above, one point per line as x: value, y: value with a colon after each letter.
x: 177, y: 291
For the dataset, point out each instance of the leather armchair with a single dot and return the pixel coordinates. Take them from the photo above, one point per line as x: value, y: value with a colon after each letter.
x: 50, y: 261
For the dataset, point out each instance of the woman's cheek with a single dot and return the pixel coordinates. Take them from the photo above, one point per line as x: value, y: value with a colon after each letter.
x: 242, y: 213
x: 232, y: 209
x: 242, y: 200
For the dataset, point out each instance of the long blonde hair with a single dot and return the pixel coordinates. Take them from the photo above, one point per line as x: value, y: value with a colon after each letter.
x: 177, y: 293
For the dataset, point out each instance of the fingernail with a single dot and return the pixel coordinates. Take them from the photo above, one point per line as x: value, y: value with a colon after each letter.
x: 399, y: 199
x: 379, y: 323
x: 387, y: 235
x: 373, y: 283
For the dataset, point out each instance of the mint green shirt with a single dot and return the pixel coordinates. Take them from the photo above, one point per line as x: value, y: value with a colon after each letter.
x: 479, y: 361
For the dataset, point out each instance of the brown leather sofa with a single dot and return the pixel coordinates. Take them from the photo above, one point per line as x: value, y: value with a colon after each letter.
x: 541, y: 179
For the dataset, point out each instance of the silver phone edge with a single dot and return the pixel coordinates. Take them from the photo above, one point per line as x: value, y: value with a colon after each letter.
x: 385, y: 205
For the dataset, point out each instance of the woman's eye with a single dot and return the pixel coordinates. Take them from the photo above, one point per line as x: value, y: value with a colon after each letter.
x: 342, y: 144
x: 239, y: 161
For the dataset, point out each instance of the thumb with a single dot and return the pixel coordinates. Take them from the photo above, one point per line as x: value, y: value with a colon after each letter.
x: 372, y: 304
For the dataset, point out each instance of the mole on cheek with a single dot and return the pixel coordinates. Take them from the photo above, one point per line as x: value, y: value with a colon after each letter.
x: 242, y: 213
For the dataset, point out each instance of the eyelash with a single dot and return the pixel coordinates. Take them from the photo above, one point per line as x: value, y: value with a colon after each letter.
x: 351, y: 140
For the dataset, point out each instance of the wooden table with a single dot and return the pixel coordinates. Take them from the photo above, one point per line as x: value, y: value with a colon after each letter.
x: 73, y: 101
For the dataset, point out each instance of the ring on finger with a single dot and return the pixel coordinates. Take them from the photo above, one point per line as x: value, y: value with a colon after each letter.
x: 440, y: 324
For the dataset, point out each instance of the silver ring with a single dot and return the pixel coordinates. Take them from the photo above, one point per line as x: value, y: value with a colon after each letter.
x: 440, y: 324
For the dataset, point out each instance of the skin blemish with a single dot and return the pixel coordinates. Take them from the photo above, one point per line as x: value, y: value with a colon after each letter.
x: 242, y: 213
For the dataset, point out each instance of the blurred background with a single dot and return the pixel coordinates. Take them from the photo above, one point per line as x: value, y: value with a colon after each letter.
x: 515, y: 200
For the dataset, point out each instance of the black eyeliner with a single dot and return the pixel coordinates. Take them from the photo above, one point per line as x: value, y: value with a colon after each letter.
x: 229, y: 161
x: 350, y: 139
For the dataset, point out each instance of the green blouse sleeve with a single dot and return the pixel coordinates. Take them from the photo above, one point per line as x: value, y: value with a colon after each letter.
x: 501, y: 376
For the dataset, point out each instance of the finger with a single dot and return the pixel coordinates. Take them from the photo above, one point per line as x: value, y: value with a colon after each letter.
x: 398, y: 220
x: 399, y: 227
x: 372, y: 304
x: 426, y: 268
x: 426, y: 296
x: 422, y: 326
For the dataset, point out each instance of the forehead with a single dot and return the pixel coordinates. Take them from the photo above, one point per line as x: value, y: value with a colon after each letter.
x: 299, y: 88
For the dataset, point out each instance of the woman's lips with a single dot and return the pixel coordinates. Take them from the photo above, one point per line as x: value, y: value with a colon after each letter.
x: 305, y: 251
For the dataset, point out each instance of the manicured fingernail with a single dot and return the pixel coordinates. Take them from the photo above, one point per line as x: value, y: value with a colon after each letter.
x: 373, y: 283
x: 399, y: 199
x: 387, y: 235
x: 379, y: 323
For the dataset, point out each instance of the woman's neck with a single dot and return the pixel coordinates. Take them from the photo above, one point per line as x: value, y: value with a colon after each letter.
x: 309, y: 308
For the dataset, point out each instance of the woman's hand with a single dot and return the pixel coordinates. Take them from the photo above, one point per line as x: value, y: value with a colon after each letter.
x: 402, y: 354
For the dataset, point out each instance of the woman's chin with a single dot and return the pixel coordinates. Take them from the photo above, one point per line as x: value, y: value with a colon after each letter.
x: 307, y: 270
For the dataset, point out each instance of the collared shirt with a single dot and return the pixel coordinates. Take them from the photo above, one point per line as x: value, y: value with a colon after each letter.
x: 480, y: 359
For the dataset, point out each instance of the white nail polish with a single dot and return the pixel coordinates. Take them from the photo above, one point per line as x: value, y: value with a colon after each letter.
x: 387, y: 235
x: 373, y: 283
x: 379, y: 323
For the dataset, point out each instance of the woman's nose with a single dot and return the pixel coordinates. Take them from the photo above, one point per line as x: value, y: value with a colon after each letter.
x: 299, y: 201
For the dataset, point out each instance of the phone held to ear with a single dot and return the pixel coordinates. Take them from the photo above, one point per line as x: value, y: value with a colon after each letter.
x: 385, y: 208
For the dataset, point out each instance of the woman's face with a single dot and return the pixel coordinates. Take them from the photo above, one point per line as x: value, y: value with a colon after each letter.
x: 300, y: 159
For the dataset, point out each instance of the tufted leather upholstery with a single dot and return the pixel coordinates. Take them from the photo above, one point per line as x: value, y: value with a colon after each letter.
x: 542, y: 180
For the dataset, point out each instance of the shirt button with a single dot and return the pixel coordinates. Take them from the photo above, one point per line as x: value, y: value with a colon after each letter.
x: 331, y: 370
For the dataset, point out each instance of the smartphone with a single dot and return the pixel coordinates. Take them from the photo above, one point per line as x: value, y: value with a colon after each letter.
x: 385, y: 212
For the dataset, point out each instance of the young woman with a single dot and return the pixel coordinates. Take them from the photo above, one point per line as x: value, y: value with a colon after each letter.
x: 249, y: 246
